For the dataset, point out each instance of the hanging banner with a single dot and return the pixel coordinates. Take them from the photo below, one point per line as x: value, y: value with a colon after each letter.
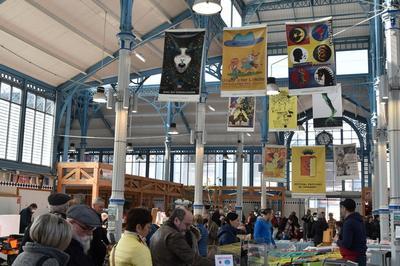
x: 346, y: 161
x: 244, y: 57
x: 308, y: 171
x: 327, y: 109
x: 275, y: 163
x: 241, y: 114
x: 282, y: 112
x: 182, y: 64
x: 312, y: 67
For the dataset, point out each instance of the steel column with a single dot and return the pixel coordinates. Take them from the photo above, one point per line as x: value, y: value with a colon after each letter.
x: 126, y: 41
x: 392, y: 33
x: 239, y: 176
x: 167, y: 143
x: 67, y: 131
x: 264, y: 141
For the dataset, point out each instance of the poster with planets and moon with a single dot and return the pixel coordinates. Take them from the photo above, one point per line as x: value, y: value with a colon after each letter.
x: 311, y: 57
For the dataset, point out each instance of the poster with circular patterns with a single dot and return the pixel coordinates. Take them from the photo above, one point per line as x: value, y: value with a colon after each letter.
x: 312, y: 67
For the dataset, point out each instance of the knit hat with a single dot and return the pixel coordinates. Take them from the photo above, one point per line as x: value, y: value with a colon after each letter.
x: 57, y: 199
x: 231, y: 216
x: 348, y: 204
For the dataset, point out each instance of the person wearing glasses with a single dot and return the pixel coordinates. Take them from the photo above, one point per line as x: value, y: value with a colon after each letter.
x: 169, y: 247
x: 84, y: 220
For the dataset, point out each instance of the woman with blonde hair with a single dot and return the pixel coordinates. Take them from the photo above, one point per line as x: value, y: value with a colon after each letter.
x: 51, y: 235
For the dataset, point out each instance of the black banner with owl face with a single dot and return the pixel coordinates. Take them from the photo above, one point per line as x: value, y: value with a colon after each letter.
x: 182, y: 64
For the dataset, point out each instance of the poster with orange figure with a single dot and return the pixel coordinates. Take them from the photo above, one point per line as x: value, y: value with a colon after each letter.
x: 308, y: 171
x: 244, y: 57
x: 311, y: 57
x: 275, y: 163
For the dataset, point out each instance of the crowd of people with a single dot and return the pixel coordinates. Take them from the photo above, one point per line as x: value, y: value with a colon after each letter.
x: 76, y: 235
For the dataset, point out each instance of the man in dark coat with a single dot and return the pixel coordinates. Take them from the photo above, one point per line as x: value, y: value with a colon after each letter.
x: 26, y: 217
x: 169, y: 246
x: 318, y: 229
x: 84, y: 220
x: 352, y: 238
x: 98, y: 246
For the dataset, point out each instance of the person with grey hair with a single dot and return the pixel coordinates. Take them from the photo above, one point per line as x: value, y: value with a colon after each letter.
x: 51, y: 235
x: 98, y: 246
x: 58, y: 204
x: 168, y: 245
x: 84, y: 220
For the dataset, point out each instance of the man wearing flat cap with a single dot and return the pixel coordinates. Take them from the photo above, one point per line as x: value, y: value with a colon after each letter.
x: 352, y: 238
x: 84, y: 220
x: 58, y: 205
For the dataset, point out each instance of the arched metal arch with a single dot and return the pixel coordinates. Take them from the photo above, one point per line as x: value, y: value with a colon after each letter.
x: 349, y: 118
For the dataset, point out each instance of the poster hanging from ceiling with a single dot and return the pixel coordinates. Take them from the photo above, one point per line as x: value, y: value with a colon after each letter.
x: 275, y: 163
x: 312, y: 67
x: 282, y: 112
x: 181, y: 70
x: 244, y: 57
x: 308, y: 171
x: 241, y: 114
x: 346, y: 161
x: 328, y: 109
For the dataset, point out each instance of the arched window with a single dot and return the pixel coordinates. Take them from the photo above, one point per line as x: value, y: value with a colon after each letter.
x: 346, y: 135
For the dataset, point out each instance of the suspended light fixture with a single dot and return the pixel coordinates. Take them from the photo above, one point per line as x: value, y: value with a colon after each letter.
x: 139, y: 56
x: 248, y: 134
x: 172, y: 129
x: 129, y: 147
x: 272, y: 88
x: 99, y: 96
x: 211, y: 108
x: 140, y: 157
x: 207, y: 7
x: 72, y: 148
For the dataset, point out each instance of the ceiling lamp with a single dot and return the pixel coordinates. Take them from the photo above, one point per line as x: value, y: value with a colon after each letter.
x: 139, y: 56
x: 272, y: 88
x: 129, y: 147
x: 207, y: 7
x: 139, y: 157
x: 72, y: 148
x: 99, y: 96
x: 172, y: 129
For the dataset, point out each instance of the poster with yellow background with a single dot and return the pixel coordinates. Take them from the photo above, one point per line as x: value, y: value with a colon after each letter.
x: 244, y: 57
x: 282, y: 112
x: 308, y: 171
x: 275, y: 163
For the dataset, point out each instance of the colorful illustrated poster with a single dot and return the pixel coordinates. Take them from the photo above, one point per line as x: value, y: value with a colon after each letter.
x: 241, y: 114
x: 244, y: 57
x: 282, y: 112
x: 275, y: 163
x: 308, y: 171
x: 346, y: 161
x: 327, y: 109
x: 312, y: 67
x: 182, y: 64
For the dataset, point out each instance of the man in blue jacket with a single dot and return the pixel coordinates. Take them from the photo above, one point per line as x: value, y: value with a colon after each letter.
x: 263, y: 228
x: 352, y: 238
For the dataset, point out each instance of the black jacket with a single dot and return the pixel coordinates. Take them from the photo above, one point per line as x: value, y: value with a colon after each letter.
x: 318, y: 229
x: 353, y: 236
x: 76, y: 255
x: 98, y: 246
x: 25, y: 219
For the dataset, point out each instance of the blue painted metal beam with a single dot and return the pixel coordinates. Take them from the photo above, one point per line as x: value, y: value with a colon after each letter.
x: 80, y: 78
x: 185, y: 122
